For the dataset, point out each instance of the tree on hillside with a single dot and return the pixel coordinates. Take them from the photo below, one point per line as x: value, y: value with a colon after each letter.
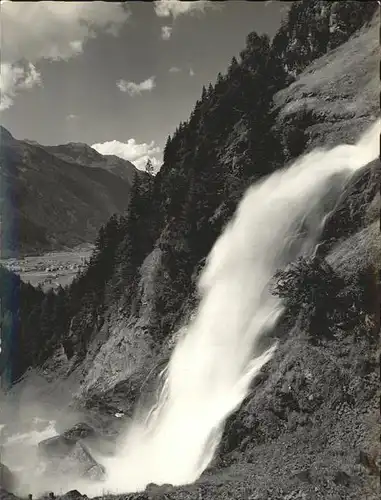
x: 149, y: 168
x: 166, y: 150
x: 310, y: 287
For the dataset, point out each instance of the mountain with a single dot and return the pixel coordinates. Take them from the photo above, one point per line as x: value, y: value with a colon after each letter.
x: 83, y: 154
x: 307, y: 427
x: 57, y: 197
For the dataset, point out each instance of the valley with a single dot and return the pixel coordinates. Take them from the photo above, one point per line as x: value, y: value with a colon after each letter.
x: 51, y: 269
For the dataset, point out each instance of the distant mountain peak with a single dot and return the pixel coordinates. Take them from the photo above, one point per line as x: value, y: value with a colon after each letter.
x: 77, y: 145
x: 5, y: 135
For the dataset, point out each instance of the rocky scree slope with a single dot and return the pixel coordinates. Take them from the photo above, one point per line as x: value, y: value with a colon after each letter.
x: 52, y: 201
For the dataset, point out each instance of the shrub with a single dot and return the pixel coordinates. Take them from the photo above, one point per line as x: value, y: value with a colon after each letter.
x: 311, y: 288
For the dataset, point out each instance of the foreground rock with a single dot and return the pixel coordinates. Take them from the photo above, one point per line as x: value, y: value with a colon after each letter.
x: 80, y: 462
x: 158, y: 491
x: 80, y: 431
x: 5, y: 495
x: 68, y: 453
x: 59, y: 445
x: 72, y: 495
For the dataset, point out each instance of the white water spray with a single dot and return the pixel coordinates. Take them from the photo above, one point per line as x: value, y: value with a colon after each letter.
x: 213, y: 364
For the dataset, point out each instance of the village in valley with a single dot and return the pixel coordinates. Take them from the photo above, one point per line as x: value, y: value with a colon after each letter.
x: 50, y: 270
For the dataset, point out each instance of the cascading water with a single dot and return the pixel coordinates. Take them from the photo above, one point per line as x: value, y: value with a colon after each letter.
x: 214, y: 362
x: 212, y: 365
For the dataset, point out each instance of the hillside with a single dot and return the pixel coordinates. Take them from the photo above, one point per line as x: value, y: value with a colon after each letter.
x: 57, y: 197
x: 307, y: 428
x: 83, y: 154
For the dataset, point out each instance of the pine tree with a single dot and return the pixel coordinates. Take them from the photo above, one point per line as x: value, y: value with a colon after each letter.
x: 166, y: 152
x: 149, y: 168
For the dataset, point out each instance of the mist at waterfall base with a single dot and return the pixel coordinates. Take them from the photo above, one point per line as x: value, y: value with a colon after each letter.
x: 222, y: 349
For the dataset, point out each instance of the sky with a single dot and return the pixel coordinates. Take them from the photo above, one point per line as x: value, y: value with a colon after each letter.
x: 117, y: 76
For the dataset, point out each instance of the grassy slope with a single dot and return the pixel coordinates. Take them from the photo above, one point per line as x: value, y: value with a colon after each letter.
x: 341, y: 88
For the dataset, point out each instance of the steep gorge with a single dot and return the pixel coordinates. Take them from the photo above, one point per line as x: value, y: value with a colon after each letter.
x: 290, y: 424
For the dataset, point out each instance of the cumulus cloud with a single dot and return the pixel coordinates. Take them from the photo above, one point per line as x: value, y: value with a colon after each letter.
x: 191, y: 72
x: 136, y: 88
x: 72, y: 117
x: 175, y: 8
x: 31, y: 31
x: 166, y: 32
x: 54, y: 30
x: 15, y: 78
x: 174, y: 69
x: 138, y: 154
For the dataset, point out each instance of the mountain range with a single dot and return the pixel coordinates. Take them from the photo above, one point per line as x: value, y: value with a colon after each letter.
x: 57, y: 197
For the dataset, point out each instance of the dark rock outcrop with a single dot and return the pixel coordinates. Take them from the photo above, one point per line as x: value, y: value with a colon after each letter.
x: 61, y: 444
x: 6, y: 495
x: 76, y: 462
x: 57, y: 446
x: 156, y: 491
x: 68, y: 453
x: 7, y: 478
x: 352, y: 211
x: 81, y: 430
x: 72, y: 495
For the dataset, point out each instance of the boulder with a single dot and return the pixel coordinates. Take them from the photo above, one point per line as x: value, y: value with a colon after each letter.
x: 5, y: 495
x: 80, y: 431
x: 369, y: 462
x: 62, y: 444
x: 304, y: 476
x: 55, y: 447
x: 157, y: 490
x: 67, y: 453
x: 72, y: 495
x: 342, y: 478
x: 78, y: 462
